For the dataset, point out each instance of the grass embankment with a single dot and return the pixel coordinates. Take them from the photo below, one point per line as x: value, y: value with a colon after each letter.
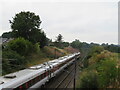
x: 46, y: 54
x: 103, y: 71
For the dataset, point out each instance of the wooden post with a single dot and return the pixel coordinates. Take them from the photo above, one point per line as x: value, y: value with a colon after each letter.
x: 75, y: 75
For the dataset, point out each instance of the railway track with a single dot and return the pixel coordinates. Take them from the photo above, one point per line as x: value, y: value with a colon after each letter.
x: 63, y: 80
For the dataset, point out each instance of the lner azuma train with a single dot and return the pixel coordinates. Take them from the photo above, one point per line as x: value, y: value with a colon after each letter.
x: 36, y: 76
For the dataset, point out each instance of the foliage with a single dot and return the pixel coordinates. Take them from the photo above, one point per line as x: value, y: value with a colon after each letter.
x: 107, y: 72
x: 26, y: 25
x: 76, y: 44
x: 7, y: 35
x: 42, y: 39
x: 59, y: 38
x: 11, y: 61
x: 65, y: 44
x: 59, y: 41
x: 112, y: 47
x: 89, y: 79
x: 105, y: 65
x: 21, y: 46
x: 37, y: 48
x: 96, y: 50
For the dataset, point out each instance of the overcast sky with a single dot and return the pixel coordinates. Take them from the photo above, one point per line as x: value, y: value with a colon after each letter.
x: 87, y: 21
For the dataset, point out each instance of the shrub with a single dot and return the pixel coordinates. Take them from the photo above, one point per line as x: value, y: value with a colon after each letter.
x: 21, y: 46
x: 88, y: 79
x: 96, y: 50
x: 37, y: 48
x: 107, y: 72
x: 11, y: 61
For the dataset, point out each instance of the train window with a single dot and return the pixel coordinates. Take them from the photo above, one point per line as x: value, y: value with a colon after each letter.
x: 20, y: 87
x: 44, y: 74
x: 47, y: 73
x: 34, y: 81
x: 30, y: 83
x: 24, y: 86
x: 39, y: 77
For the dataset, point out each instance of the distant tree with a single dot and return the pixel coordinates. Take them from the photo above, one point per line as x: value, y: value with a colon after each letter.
x: 76, y: 44
x: 112, y: 47
x: 59, y: 41
x: 59, y: 38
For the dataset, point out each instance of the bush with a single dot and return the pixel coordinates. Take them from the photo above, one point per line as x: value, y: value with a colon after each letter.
x: 88, y: 79
x: 37, y: 48
x: 95, y: 50
x: 21, y: 46
x: 11, y: 61
x: 107, y: 72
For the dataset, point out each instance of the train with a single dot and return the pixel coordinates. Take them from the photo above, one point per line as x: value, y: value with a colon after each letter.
x: 38, y: 75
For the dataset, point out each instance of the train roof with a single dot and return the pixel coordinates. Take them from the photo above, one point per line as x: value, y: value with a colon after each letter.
x: 19, y: 76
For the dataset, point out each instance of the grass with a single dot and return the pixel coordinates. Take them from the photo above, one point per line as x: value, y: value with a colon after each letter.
x: 45, y: 54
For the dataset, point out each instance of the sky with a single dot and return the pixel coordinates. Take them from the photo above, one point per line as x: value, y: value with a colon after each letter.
x: 89, y: 21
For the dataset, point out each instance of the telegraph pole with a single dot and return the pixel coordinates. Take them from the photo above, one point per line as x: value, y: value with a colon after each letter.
x: 75, y: 75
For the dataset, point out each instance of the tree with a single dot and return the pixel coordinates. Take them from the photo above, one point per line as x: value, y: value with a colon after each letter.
x: 26, y: 25
x: 59, y: 38
x: 76, y: 44
x: 59, y: 41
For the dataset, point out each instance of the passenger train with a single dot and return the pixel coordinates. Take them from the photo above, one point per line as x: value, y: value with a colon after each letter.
x: 36, y: 76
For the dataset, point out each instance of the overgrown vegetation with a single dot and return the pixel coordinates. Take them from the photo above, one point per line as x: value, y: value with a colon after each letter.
x: 102, y: 69
x: 99, y: 65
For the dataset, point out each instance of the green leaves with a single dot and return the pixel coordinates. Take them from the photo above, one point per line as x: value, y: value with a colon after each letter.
x: 11, y: 61
x: 89, y: 79
x: 26, y: 25
x: 21, y: 46
x: 107, y: 72
x: 104, y: 65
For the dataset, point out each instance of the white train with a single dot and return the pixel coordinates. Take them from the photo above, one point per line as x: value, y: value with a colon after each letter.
x: 36, y: 76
